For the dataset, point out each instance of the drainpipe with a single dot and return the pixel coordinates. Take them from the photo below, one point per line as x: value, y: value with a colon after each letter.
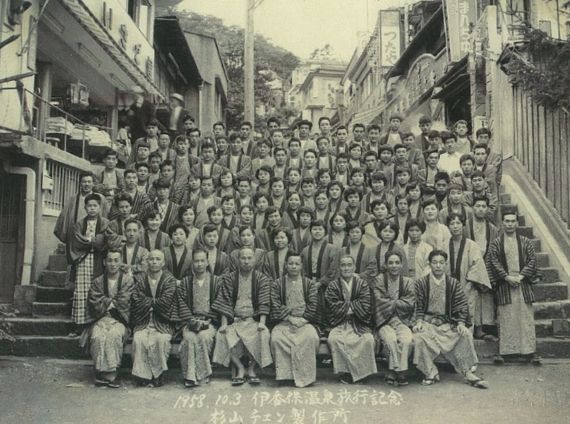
x: 30, y: 175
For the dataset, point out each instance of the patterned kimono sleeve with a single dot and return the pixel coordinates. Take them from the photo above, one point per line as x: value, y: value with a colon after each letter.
x: 337, y: 306
x: 477, y: 272
x: 361, y: 304
x: 459, y: 305
x: 141, y: 303
x: 122, y: 299
x: 223, y: 303
x: 164, y: 303
x: 311, y: 301
x: 421, y: 298
x: 98, y: 301
x: 529, y: 268
x: 263, y: 294
x: 278, y: 310
x: 183, y: 309
x: 493, y: 262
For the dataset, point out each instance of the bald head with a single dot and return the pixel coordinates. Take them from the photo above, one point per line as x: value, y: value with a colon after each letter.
x: 155, y: 260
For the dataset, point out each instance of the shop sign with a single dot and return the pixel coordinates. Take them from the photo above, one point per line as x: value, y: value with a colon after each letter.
x: 460, y: 18
x: 422, y: 76
x: 390, y: 37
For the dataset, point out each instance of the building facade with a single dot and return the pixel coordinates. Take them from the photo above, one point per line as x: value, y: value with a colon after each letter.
x: 68, y: 69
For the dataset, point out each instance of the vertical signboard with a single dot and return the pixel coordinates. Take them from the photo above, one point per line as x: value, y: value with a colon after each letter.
x: 389, y: 29
x: 460, y: 16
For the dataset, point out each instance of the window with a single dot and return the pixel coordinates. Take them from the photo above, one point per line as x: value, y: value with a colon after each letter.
x: 144, y: 17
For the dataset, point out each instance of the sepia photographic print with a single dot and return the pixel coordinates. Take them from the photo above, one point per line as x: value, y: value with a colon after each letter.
x: 284, y: 211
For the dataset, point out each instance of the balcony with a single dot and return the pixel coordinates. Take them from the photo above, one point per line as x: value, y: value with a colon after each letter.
x: 49, y: 124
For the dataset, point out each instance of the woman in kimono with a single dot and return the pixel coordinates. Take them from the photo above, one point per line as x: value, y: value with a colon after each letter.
x: 320, y: 262
x: 87, y: 246
x: 394, y: 302
x: 294, y: 340
x: 338, y: 236
x: 109, y: 303
x: 152, y: 237
x: 274, y: 265
x: 351, y: 342
x: 153, y: 312
x: 363, y: 256
x: 388, y: 232
x: 466, y: 264
x: 187, y: 217
x: 416, y: 250
x: 247, y: 239
x: 177, y: 257
x: 436, y: 234
x: 196, y: 293
x: 334, y: 193
x: 290, y: 218
x: 243, y: 301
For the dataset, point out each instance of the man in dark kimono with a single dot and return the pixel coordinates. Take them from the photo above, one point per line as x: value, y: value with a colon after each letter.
x: 442, y: 324
x: 153, y: 314
x: 109, y: 301
x: 351, y: 342
x: 294, y: 340
x: 243, y: 301
x: 196, y: 294
x: 511, y: 261
x: 394, y: 302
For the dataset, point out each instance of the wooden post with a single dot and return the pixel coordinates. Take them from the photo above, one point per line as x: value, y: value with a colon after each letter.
x: 249, y: 99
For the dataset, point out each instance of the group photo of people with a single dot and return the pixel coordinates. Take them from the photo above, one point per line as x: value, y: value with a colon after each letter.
x: 259, y: 247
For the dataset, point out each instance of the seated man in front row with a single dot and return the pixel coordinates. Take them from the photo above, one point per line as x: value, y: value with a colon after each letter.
x: 109, y: 302
x: 348, y: 301
x: 294, y: 340
x: 153, y: 312
x: 244, y: 298
x: 196, y: 293
x: 442, y: 324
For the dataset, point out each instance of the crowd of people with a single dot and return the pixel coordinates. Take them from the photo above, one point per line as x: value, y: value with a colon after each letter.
x: 253, y: 251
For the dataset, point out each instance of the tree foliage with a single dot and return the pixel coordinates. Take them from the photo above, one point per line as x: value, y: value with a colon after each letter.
x: 542, y: 68
x: 231, y: 42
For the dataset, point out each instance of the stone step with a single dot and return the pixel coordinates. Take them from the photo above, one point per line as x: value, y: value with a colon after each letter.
x: 505, y: 197
x: 551, y: 291
x: 551, y: 347
x: 552, y: 310
x: 51, y: 309
x: 558, y: 328
x: 549, y: 274
x: 7, y: 308
x: 53, y: 278
x: 51, y: 346
x: 26, y: 326
x: 53, y: 294
x: 509, y: 206
x: 526, y: 231
x: 542, y: 259
x: 57, y: 262
x: 537, y: 244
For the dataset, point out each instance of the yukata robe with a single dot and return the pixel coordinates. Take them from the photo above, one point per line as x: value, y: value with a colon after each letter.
x: 295, y: 348
x: 351, y: 341
x: 153, y: 314
x: 242, y: 335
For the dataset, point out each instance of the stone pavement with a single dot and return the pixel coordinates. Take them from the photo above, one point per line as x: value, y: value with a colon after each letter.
x: 41, y: 390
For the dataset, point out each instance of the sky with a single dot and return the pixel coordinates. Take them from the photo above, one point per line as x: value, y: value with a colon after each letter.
x: 301, y: 26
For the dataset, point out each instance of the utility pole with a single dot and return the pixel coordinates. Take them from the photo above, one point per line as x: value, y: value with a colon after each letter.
x: 249, y: 69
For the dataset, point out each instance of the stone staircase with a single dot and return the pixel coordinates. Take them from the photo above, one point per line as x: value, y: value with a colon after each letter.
x: 45, y: 332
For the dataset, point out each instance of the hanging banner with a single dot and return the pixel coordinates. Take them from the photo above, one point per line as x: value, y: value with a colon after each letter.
x: 460, y: 18
x: 389, y: 29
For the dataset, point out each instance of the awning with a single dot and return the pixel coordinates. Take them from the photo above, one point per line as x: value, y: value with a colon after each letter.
x: 368, y: 116
x: 455, y: 79
x: 86, y: 19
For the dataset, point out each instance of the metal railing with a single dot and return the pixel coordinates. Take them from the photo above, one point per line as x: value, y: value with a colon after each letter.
x: 37, y: 120
x: 65, y: 180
